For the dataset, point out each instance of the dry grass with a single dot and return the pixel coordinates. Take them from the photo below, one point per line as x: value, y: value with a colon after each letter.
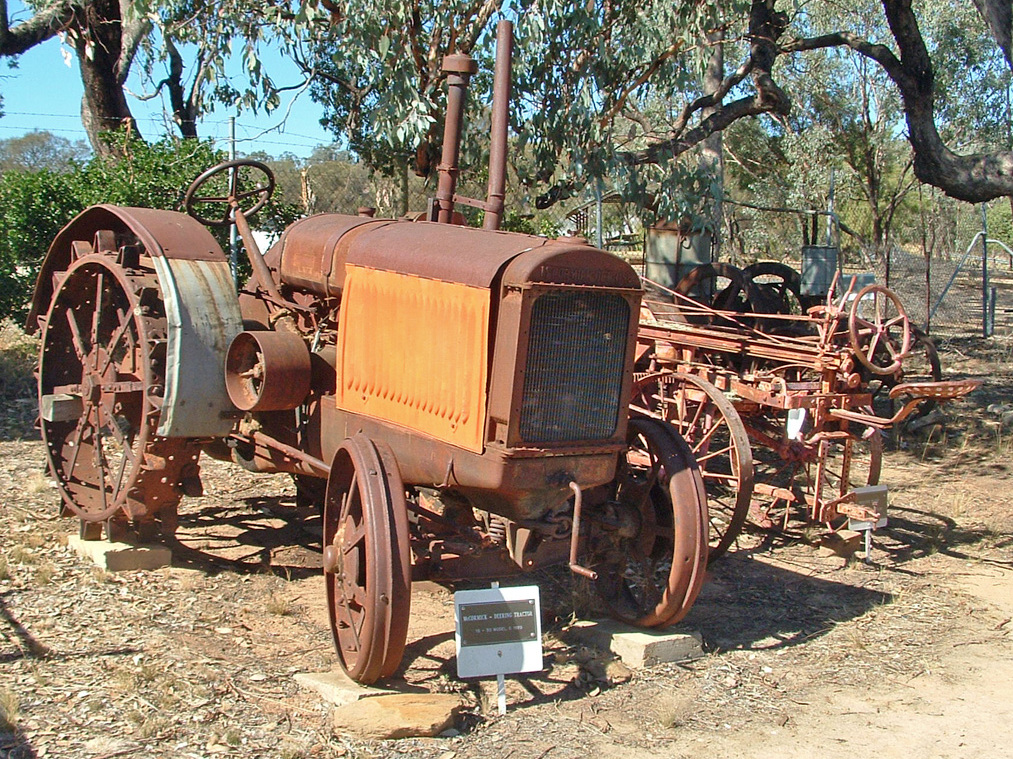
x: 38, y: 484
x: 22, y: 554
x: 45, y: 574
x: 278, y: 605
x: 17, y: 382
x: 10, y: 707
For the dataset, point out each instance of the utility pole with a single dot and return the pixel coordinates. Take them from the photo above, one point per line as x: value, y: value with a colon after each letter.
x: 233, y: 230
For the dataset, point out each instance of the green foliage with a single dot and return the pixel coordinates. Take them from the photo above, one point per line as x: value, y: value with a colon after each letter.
x: 34, y: 206
x: 1000, y: 221
x: 151, y: 175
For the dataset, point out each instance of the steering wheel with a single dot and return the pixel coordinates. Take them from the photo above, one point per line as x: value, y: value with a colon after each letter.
x: 262, y: 189
x: 874, y: 312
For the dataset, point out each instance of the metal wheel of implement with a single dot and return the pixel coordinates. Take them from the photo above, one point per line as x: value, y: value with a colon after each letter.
x: 237, y: 185
x: 811, y: 475
x: 722, y: 287
x: 879, y: 329
x: 367, y: 563
x: 781, y: 282
x: 648, y: 537
x: 920, y: 365
x: 101, y: 375
x: 711, y: 426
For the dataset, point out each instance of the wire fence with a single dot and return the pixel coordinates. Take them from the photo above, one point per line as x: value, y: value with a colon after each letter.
x: 936, y: 269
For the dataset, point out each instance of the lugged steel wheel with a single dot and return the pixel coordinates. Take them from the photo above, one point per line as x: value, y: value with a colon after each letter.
x: 367, y: 561
x: 648, y: 537
x: 101, y: 381
x: 711, y: 426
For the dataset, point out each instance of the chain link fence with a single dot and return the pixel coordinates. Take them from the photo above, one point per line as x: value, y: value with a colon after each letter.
x: 934, y: 262
x: 936, y: 268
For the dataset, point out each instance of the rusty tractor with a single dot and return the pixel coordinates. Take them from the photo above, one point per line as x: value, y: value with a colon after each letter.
x: 454, y: 398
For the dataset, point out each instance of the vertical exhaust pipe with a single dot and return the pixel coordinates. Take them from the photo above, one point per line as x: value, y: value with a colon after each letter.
x: 459, y: 69
x: 500, y: 125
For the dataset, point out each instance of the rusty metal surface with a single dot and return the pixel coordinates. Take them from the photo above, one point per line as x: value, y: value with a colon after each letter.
x: 161, y: 233
x: 311, y: 253
x: 366, y: 560
x: 500, y: 126
x: 459, y: 69
x: 648, y: 537
x: 814, y: 368
x: 439, y: 251
x: 100, y: 376
x: 713, y: 429
x: 267, y: 371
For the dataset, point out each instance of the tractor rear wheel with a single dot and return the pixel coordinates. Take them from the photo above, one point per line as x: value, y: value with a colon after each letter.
x: 648, y: 540
x: 101, y: 384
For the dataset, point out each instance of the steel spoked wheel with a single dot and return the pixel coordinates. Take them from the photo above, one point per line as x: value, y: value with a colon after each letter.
x: 649, y: 536
x: 782, y: 283
x: 711, y: 426
x: 879, y: 329
x: 100, y: 386
x: 366, y: 560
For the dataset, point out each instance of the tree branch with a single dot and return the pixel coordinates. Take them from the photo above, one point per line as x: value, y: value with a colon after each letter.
x: 647, y: 73
x: 44, y: 25
x: 881, y: 54
x: 765, y: 27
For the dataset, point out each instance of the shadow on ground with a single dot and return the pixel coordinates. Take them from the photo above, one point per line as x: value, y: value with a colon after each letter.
x: 257, y: 535
x: 751, y: 604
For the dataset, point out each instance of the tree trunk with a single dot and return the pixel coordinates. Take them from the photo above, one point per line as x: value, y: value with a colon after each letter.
x: 99, y: 45
x: 712, y: 151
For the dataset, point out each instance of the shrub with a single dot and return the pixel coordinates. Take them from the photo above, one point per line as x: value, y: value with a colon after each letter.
x: 34, y: 206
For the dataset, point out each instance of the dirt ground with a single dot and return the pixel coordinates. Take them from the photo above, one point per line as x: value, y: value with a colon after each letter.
x: 908, y: 655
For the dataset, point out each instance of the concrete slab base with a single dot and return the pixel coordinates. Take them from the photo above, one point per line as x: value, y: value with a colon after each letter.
x: 337, y: 688
x: 637, y: 647
x: 121, y: 557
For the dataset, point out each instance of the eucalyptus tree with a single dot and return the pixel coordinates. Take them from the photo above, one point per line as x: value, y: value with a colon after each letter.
x: 180, y: 47
x: 377, y: 72
x: 602, y: 69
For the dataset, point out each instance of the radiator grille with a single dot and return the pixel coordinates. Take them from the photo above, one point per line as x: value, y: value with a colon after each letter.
x: 574, y: 376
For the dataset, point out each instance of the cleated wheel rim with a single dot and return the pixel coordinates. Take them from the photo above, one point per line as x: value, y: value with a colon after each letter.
x: 648, y: 540
x: 366, y: 560
x: 711, y: 426
x: 100, y: 373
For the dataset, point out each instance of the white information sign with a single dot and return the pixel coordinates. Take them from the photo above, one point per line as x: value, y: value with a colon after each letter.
x: 498, y: 631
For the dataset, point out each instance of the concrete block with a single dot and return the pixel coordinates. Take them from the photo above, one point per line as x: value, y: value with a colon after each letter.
x: 121, y: 557
x: 636, y: 647
x: 336, y: 687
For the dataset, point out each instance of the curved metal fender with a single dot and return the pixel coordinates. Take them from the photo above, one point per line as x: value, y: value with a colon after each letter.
x: 203, y: 317
x: 201, y: 307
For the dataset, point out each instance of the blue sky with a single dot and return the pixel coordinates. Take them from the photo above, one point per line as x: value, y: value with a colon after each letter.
x: 44, y: 93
